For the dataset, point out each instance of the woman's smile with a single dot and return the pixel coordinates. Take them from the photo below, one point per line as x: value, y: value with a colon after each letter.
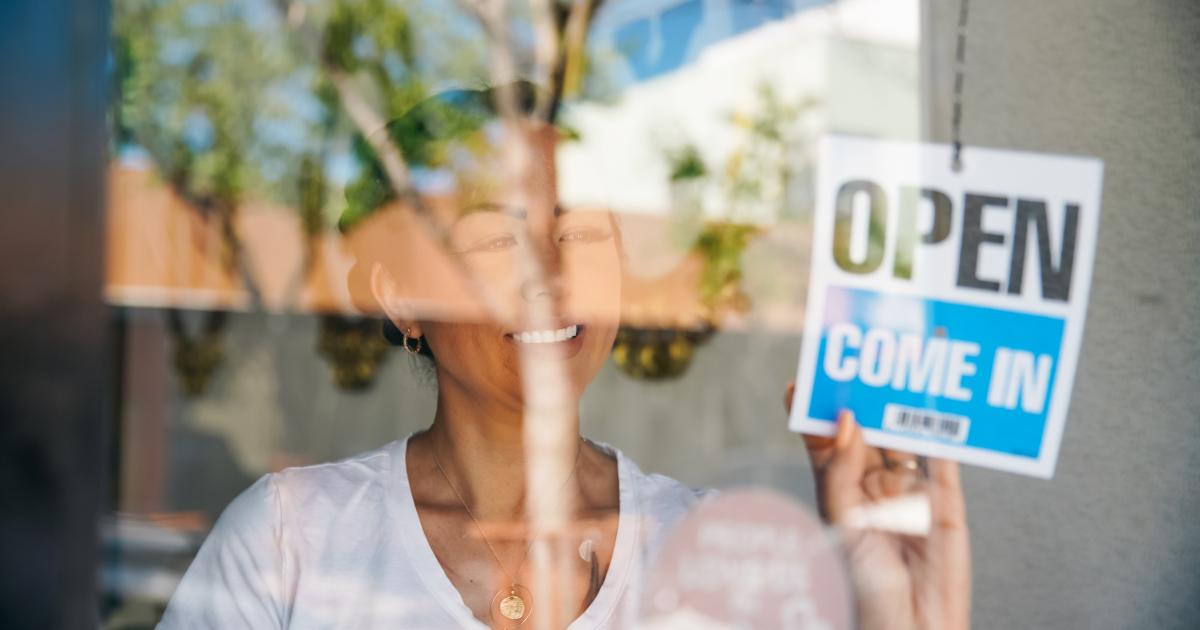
x: 558, y: 343
x: 546, y: 336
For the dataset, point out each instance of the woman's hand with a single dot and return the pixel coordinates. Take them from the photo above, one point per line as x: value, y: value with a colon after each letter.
x: 901, y: 581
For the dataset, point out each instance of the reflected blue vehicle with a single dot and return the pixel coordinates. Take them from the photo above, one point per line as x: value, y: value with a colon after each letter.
x: 655, y: 38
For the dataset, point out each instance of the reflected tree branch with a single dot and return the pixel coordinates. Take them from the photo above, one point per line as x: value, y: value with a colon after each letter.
x: 569, y: 62
x: 372, y: 127
x: 547, y: 28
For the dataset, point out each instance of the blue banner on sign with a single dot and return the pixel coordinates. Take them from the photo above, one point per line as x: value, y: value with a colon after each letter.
x: 927, y: 369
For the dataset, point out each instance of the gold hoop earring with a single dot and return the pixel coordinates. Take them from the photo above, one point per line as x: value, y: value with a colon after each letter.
x: 411, y: 349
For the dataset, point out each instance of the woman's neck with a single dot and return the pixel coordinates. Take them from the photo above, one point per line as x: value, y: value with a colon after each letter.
x: 480, y: 445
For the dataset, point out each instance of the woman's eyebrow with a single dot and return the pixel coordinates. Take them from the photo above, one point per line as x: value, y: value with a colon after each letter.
x: 512, y: 211
x: 489, y: 206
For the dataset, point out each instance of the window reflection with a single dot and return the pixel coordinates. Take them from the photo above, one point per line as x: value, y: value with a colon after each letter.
x: 297, y: 187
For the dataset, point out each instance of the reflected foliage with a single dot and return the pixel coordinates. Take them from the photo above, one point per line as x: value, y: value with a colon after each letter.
x: 233, y: 100
x: 196, y: 356
x: 355, y: 349
x: 654, y: 355
x: 722, y: 246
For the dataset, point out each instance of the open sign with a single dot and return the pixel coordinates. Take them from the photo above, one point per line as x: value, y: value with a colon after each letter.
x: 1029, y: 222
x: 946, y: 308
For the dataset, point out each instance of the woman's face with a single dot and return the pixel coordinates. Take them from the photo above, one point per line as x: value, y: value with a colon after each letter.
x: 492, y: 245
x: 494, y: 234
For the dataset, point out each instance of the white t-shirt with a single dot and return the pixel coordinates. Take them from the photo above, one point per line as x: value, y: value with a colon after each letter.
x: 340, y: 545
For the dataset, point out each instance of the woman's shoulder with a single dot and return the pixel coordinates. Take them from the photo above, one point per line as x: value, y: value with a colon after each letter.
x: 312, y: 492
x: 303, y: 507
x: 338, y: 484
x: 372, y: 465
x: 241, y: 578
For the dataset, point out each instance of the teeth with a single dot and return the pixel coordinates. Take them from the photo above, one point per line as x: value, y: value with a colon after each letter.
x: 547, y: 336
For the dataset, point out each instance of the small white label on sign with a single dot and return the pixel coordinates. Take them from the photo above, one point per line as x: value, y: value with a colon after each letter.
x: 926, y: 423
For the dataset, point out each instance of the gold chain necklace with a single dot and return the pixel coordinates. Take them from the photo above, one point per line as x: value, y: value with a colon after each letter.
x: 514, y: 603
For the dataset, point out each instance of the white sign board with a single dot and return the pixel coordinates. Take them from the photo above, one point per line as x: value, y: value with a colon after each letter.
x: 946, y: 308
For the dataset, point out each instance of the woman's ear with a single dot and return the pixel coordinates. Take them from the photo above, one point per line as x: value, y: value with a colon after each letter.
x: 388, y: 295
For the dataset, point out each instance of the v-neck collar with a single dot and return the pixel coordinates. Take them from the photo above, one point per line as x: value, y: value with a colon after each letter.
x: 603, y: 606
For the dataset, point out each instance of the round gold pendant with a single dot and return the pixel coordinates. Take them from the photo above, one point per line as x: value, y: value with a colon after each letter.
x: 512, y: 604
x: 512, y: 607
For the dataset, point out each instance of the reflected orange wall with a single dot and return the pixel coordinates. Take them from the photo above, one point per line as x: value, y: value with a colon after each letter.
x: 163, y: 253
x: 159, y: 252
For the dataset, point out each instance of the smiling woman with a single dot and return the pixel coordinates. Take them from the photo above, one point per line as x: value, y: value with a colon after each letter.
x: 438, y: 529
x: 484, y: 244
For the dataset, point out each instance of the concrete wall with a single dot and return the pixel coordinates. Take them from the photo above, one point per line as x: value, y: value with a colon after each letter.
x: 1111, y: 541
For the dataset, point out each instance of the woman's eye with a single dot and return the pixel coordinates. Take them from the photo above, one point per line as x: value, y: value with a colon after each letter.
x: 582, y: 235
x: 494, y: 244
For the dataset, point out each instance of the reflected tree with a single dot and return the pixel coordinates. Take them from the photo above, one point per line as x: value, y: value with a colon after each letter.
x: 286, y: 101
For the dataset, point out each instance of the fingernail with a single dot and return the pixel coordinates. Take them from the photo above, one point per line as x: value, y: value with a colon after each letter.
x: 845, y: 428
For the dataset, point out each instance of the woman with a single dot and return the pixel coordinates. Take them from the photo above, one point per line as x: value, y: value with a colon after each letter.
x: 429, y: 531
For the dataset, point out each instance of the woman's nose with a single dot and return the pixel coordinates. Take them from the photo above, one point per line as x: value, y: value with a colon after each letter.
x: 550, y: 289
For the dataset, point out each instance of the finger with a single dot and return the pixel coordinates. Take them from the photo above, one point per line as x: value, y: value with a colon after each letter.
x: 949, y: 546
x: 946, y: 496
x: 842, y: 477
x: 872, y: 484
x: 901, y: 460
x: 820, y: 447
x: 874, y: 457
x: 901, y: 474
x: 893, y: 483
x: 820, y: 450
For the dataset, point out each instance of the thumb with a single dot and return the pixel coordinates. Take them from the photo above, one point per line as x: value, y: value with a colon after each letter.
x: 788, y: 393
x: 840, y: 483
